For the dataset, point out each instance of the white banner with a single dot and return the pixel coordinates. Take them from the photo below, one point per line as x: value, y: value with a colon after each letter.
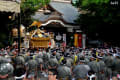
x: 84, y: 41
x: 58, y: 37
x: 26, y: 44
x: 64, y: 38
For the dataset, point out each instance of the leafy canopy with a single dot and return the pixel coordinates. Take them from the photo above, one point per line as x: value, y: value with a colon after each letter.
x: 99, y: 17
x: 29, y: 7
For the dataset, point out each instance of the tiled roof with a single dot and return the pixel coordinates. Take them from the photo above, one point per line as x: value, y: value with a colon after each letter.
x: 66, y: 12
x: 69, y: 12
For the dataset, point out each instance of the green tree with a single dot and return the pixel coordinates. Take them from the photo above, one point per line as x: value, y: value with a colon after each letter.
x: 98, y: 16
x: 28, y: 8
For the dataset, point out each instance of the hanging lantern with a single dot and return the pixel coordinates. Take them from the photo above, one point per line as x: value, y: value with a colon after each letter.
x: 14, y: 32
x: 22, y: 31
x: 10, y: 17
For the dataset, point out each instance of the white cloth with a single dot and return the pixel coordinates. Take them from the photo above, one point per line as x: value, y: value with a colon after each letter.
x: 21, y: 77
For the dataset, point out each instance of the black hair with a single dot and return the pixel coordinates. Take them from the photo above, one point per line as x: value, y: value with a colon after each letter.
x: 94, y: 55
x: 82, y: 58
x: 94, y: 51
x: 67, y: 55
x: 20, y: 71
x: 47, y: 50
x: 31, y: 57
x: 64, y: 61
x: 72, y: 53
x: 91, y: 72
x: 53, y: 54
x: 80, y: 50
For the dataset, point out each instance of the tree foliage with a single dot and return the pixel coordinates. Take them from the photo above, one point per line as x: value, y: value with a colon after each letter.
x: 100, y: 16
x: 29, y: 7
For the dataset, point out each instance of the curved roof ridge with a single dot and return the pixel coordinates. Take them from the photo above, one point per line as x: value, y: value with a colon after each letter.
x: 69, y: 12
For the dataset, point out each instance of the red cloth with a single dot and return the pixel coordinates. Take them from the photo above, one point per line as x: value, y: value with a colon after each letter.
x: 49, y: 44
x: 80, y: 40
x: 64, y: 44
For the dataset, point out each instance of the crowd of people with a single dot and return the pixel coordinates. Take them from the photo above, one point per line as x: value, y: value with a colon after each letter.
x: 59, y: 63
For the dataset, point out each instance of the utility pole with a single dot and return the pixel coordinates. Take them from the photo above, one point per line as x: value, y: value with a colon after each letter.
x: 19, y: 24
x: 19, y: 38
